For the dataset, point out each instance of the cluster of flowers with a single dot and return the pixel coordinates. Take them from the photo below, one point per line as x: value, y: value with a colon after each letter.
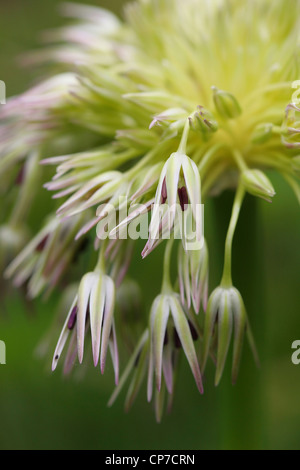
x: 173, y: 105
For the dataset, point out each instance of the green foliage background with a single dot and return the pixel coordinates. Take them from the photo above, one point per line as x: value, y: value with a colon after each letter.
x: 40, y: 410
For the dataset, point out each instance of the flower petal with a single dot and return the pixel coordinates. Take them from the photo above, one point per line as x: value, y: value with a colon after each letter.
x: 96, y: 305
x: 159, y: 320
x: 63, y: 337
x: 84, y: 291
x: 184, y: 333
x: 108, y: 319
x: 224, y: 336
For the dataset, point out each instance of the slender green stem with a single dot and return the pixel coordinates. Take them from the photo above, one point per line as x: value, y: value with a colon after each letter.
x: 227, y: 278
x: 100, y: 266
x: 184, y: 138
x: 239, y: 160
x: 243, y: 407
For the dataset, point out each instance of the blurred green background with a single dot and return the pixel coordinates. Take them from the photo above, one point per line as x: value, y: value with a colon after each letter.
x: 40, y: 410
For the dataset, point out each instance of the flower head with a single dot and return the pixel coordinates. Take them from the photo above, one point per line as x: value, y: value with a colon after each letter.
x: 153, y: 114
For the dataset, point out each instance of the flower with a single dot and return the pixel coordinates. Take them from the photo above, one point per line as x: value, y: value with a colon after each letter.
x: 179, y: 181
x: 226, y: 315
x: 178, y: 331
x: 43, y: 262
x: 94, y: 306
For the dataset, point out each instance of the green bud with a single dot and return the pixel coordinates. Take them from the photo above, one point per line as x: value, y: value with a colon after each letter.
x: 262, y: 133
x: 257, y: 184
x: 203, y: 121
x: 226, y: 104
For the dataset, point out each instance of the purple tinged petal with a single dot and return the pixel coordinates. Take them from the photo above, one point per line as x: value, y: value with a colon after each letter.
x: 205, y: 295
x: 91, y: 185
x: 31, y: 248
x: 71, y: 354
x: 214, y: 304
x: 84, y: 291
x: 108, y: 319
x: 172, y: 178
x: 141, y: 209
x: 159, y: 320
x: 180, y: 274
x: 224, y: 335
x: 168, y: 366
x: 137, y: 379
x: 66, y: 192
x: 184, y: 333
x: 240, y: 322
x: 113, y: 346
x: 63, y: 337
x: 193, y: 183
x: 96, y: 307
x: 155, y: 304
x: 130, y: 366
x: 154, y: 223
x: 87, y: 227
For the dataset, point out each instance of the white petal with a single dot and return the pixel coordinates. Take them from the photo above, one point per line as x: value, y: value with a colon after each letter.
x: 108, y: 319
x: 63, y: 337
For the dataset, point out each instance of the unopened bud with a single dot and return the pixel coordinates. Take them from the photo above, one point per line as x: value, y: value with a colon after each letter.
x: 262, y: 133
x: 226, y: 104
x: 257, y: 184
x: 204, y: 122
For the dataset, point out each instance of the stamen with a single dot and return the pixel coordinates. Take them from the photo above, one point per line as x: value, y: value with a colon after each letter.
x: 73, y: 318
x: 164, y: 192
x: 183, y: 197
x: 177, y: 342
x: 20, y: 176
x: 194, y: 333
x: 42, y: 244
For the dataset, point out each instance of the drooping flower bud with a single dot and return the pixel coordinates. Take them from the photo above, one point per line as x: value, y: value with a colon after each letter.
x: 257, y: 184
x: 226, y: 104
x: 164, y: 307
x: 93, y: 305
x: 179, y: 167
x: 226, y: 315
